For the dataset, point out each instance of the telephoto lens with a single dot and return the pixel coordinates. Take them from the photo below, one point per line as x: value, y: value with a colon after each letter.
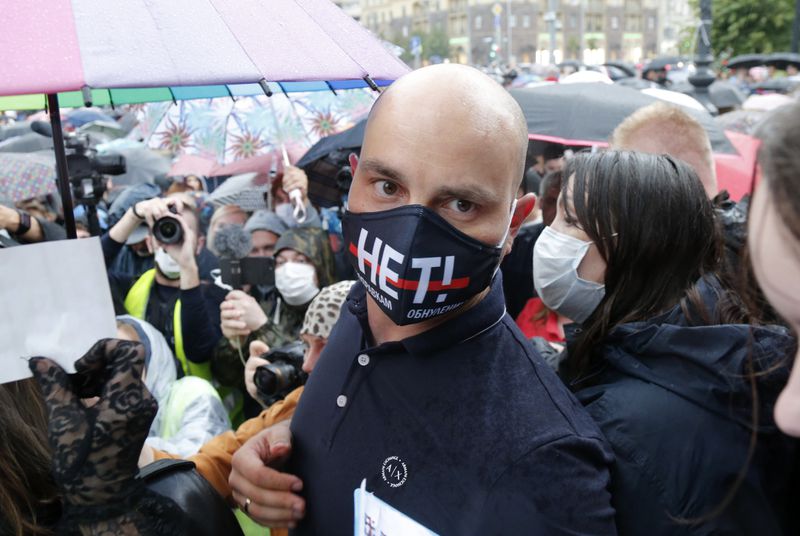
x: 168, y: 230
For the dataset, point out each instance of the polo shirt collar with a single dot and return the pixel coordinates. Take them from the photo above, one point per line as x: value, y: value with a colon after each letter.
x: 469, y: 324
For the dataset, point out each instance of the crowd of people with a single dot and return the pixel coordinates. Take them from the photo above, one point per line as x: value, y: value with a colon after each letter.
x: 571, y: 342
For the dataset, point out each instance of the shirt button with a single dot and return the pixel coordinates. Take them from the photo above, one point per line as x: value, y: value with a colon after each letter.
x: 341, y: 401
x: 363, y: 360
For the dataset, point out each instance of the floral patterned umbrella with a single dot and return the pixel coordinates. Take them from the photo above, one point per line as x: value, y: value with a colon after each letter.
x: 227, y: 130
x: 26, y: 175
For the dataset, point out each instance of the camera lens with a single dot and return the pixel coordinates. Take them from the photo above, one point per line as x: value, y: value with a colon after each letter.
x: 168, y: 230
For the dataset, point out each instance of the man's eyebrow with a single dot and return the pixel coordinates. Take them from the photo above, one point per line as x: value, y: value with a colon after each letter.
x: 474, y: 193
x: 380, y: 168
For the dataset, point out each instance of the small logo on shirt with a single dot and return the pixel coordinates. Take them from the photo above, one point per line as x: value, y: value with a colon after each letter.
x: 394, y: 471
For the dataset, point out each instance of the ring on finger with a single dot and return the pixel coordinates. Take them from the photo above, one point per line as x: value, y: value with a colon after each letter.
x: 246, y: 506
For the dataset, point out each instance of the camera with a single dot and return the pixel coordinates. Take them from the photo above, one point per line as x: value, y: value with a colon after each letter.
x: 283, y: 374
x: 86, y: 170
x: 168, y: 230
x: 247, y: 271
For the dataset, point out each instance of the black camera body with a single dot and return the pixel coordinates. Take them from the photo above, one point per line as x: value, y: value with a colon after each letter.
x: 247, y: 271
x: 283, y: 374
x: 87, y: 170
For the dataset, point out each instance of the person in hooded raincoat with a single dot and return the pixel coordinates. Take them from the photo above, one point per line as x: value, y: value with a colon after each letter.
x: 190, y: 411
x: 663, y: 357
x: 303, y: 265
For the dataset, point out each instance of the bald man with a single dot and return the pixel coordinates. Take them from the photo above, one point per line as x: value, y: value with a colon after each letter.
x: 662, y: 128
x: 428, y: 395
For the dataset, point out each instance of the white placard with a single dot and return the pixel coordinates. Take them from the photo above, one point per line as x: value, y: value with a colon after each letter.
x: 373, y: 517
x: 54, y: 302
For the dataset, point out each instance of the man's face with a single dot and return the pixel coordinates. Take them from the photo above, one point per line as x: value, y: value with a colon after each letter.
x: 314, y: 345
x: 263, y: 243
x: 461, y: 174
x: 554, y: 164
x: 549, y: 204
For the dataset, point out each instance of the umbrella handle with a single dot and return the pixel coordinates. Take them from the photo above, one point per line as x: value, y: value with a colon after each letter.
x: 298, y: 207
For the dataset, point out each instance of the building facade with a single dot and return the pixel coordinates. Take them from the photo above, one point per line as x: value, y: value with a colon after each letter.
x: 521, y: 31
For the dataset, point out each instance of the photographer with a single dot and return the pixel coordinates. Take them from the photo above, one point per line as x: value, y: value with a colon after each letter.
x: 169, y: 296
x: 304, y: 264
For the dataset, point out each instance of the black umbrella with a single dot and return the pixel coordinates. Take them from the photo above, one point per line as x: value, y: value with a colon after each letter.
x: 781, y: 60
x: 587, y: 114
x: 26, y: 143
x: 15, y: 129
x: 324, y: 161
x: 628, y: 68
x: 575, y: 64
x: 635, y: 83
x: 661, y: 63
x: 776, y: 85
x: 723, y: 94
x: 745, y: 61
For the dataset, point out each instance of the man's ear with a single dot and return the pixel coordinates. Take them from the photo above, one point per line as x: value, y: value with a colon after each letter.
x: 525, y: 205
x: 353, y: 159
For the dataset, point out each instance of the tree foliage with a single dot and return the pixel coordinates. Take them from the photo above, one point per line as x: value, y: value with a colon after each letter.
x: 750, y: 26
x: 434, y: 43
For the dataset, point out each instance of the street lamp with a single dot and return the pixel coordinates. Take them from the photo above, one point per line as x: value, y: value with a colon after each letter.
x: 703, y: 58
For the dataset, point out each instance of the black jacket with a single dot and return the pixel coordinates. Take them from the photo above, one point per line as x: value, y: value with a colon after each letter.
x: 675, y: 404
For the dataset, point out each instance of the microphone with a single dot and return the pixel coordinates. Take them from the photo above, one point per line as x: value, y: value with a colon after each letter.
x: 42, y: 127
x: 232, y: 243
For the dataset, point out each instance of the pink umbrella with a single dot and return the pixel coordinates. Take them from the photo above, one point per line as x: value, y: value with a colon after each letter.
x: 192, y: 164
x: 53, y: 46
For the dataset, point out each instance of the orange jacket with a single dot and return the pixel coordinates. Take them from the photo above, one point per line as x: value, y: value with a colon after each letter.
x: 213, y: 461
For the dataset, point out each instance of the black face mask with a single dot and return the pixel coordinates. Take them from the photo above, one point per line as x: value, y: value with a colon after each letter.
x: 414, y: 264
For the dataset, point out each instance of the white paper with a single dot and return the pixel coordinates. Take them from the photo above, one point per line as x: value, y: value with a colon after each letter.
x: 376, y: 518
x: 54, y: 302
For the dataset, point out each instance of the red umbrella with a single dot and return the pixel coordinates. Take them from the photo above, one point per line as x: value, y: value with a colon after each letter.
x: 736, y: 172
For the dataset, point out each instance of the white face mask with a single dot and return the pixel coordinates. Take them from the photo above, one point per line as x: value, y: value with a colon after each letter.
x: 556, y: 257
x: 295, y: 282
x: 168, y: 266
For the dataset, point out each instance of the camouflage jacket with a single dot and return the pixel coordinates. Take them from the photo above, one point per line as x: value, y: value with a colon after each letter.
x: 282, y: 327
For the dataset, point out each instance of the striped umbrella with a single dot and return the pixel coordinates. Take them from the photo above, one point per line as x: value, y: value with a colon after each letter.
x: 134, y: 51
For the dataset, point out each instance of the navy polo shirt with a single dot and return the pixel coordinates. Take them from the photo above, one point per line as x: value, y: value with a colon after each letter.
x: 463, y: 428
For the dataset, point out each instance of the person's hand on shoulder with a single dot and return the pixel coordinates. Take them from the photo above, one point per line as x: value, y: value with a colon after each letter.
x: 264, y: 493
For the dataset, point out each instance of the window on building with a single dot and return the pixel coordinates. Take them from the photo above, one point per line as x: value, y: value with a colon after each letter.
x: 651, y: 23
x: 404, y: 11
x: 633, y: 23
x: 633, y: 5
x: 593, y: 22
x: 478, y: 22
x: 615, y: 23
x: 526, y: 21
x: 573, y: 21
x: 512, y: 21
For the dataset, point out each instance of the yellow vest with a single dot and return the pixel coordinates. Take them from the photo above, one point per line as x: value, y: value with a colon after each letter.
x: 181, y: 394
x: 136, y: 305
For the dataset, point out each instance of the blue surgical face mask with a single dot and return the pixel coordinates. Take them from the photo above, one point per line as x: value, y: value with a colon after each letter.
x: 556, y: 257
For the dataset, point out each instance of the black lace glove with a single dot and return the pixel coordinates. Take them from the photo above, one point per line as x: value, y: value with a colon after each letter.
x: 96, y: 447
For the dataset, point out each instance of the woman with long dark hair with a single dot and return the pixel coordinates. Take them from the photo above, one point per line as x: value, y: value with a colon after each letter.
x: 663, y: 358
